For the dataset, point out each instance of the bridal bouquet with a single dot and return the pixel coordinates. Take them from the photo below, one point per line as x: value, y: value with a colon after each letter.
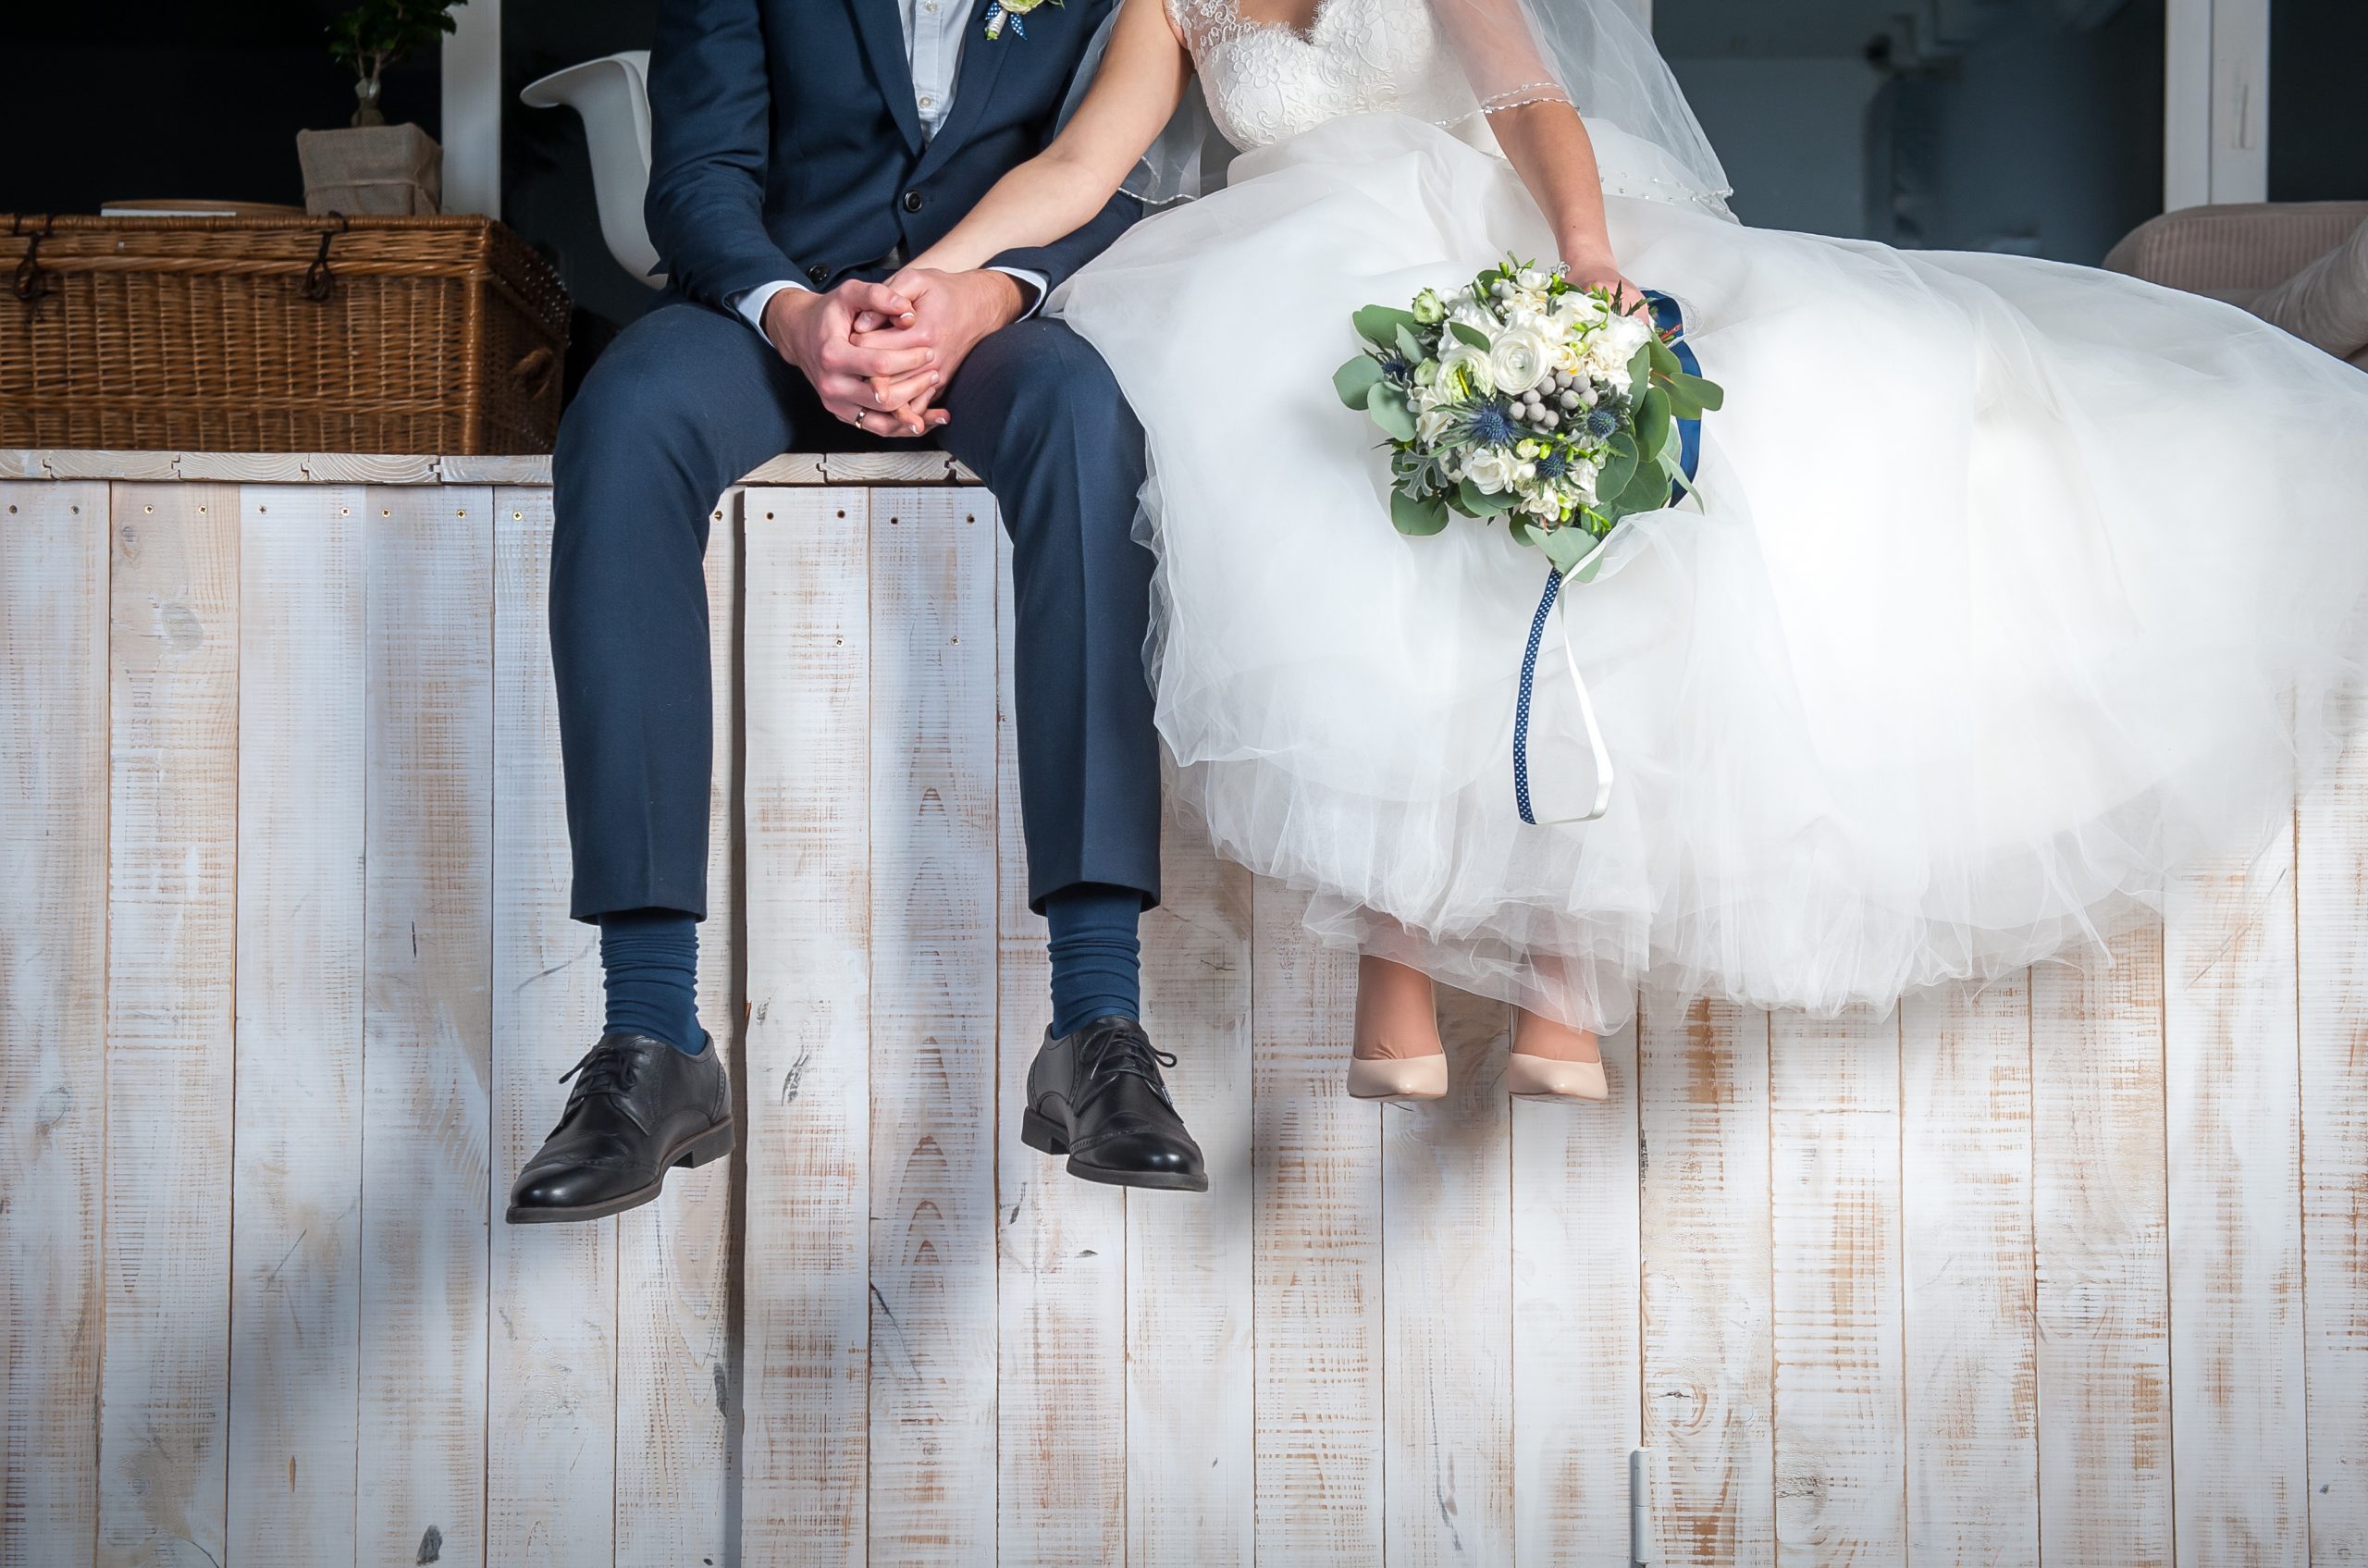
x: 1523, y: 397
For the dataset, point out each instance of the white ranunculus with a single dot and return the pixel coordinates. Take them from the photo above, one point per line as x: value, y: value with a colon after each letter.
x: 1458, y: 355
x: 1520, y: 358
x: 1626, y: 334
x: 1489, y: 468
x: 1430, y: 425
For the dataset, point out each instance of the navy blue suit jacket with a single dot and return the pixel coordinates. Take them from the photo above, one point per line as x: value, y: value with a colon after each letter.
x: 785, y: 142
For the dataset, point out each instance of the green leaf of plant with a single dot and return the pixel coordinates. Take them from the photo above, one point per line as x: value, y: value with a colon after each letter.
x: 1387, y: 403
x: 1409, y: 345
x: 1619, y: 468
x: 1707, y: 395
x: 1417, y: 516
x: 1652, y: 421
x: 1640, y: 371
x: 1648, y: 490
x: 1355, y: 379
x: 1468, y: 334
x: 1565, y: 547
x: 1518, y: 526
x: 1665, y: 361
x: 1478, y: 502
x: 1378, y: 325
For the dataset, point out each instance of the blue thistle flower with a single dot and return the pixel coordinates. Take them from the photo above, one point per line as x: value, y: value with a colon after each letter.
x: 1491, y: 426
x: 1553, y: 467
x: 1396, y: 367
x: 1603, y: 421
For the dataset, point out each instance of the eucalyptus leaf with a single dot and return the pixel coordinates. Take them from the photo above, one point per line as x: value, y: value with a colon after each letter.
x: 1565, y: 547
x: 1640, y: 371
x: 1665, y: 360
x: 1653, y: 422
x: 1355, y: 379
x: 1409, y: 346
x: 1478, y: 502
x: 1416, y: 516
x: 1387, y: 403
x: 1708, y: 395
x: 1378, y: 325
x: 1518, y: 526
x: 1468, y: 334
x: 1649, y: 490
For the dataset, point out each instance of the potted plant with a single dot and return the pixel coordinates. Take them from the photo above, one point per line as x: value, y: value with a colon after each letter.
x: 372, y: 166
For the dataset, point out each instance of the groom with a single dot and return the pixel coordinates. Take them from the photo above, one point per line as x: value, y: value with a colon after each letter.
x: 801, y: 151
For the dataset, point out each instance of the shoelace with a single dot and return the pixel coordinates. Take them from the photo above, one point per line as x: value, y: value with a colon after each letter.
x: 606, y: 1069
x: 1125, y: 1048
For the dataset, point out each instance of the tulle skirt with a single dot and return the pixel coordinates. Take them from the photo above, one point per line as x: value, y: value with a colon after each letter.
x: 2013, y: 585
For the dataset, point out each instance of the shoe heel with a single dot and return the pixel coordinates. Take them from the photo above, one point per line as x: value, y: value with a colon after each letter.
x: 713, y: 1144
x: 1042, y: 1133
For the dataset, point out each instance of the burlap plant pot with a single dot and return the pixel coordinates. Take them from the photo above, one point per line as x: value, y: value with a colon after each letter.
x: 376, y: 170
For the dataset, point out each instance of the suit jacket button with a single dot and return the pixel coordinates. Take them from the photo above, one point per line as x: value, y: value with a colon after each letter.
x: 817, y: 276
x: 912, y: 201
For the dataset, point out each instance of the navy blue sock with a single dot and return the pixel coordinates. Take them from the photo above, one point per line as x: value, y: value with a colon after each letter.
x: 1097, y: 958
x: 649, y: 962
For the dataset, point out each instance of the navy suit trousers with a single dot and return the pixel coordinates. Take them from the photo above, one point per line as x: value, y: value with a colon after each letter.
x: 689, y: 398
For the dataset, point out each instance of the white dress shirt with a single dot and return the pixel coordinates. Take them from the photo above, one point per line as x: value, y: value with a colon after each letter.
x: 935, y: 31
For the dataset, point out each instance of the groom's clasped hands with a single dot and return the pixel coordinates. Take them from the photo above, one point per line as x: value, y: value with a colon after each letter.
x: 878, y: 354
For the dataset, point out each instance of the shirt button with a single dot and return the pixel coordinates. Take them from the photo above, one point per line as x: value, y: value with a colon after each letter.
x: 820, y: 275
x: 912, y: 201
x: 927, y: 103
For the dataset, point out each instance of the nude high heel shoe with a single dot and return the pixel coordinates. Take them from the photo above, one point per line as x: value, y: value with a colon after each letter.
x: 1552, y: 1061
x: 1398, y: 1055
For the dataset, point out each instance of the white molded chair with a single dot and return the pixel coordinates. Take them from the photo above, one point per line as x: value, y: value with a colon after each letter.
x: 613, y: 95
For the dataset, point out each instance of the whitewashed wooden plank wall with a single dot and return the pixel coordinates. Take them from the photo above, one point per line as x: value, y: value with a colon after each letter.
x: 2067, y: 1271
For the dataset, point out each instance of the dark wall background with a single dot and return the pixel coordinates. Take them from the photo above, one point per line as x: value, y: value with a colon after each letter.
x: 2318, y: 101
x: 115, y: 99
x: 546, y: 174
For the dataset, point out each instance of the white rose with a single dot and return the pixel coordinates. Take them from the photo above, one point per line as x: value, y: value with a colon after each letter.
x: 1520, y: 358
x: 1488, y: 468
x: 1626, y: 334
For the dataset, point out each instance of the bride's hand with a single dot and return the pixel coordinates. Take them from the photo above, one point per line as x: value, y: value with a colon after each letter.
x: 1602, y: 272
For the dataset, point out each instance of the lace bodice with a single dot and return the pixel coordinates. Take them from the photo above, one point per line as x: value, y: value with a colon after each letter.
x: 1265, y: 82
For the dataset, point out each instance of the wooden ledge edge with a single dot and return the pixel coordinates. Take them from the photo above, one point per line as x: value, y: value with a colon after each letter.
x: 916, y: 467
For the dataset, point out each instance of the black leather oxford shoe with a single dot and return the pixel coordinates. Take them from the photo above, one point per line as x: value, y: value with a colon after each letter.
x: 639, y: 1108
x: 1097, y: 1097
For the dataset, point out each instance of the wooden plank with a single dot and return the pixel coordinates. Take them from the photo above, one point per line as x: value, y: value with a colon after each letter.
x: 1576, y: 1320
x: 1191, y: 1435
x: 804, y: 1425
x: 524, y: 470
x: 1834, y: 1169
x: 54, y: 615
x: 932, y: 1374
x: 2232, y: 1082
x: 171, y: 941
x: 1318, y: 1229
x: 426, y: 1170
x: 1447, y: 1299
x: 551, y: 1395
x: 2332, y: 916
x: 242, y: 467
x: 1702, y: 1111
x: 2100, y: 1234
x: 156, y: 466
x: 1061, y: 1252
x: 674, y: 1257
x: 1972, y: 1446
x: 21, y: 463
x: 296, y: 1237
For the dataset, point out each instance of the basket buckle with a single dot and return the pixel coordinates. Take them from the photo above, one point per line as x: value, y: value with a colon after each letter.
x: 31, y: 282
x: 320, y: 282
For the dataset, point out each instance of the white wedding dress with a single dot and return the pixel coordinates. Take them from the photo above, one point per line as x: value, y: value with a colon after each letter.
x: 2015, y: 584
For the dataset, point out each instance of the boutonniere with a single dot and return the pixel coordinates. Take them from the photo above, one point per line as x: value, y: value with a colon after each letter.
x: 1011, y: 11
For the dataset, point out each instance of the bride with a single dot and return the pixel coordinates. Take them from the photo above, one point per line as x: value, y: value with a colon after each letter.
x: 2011, y: 585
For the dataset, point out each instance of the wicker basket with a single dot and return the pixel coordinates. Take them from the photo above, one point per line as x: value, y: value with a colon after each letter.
x: 228, y: 334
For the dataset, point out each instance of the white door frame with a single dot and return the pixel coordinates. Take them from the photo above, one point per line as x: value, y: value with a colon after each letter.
x: 2216, y: 132
x: 472, y: 121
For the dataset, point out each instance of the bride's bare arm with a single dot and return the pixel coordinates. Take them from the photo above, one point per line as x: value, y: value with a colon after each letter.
x: 1537, y: 127
x: 1142, y: 80
x: 1548, y: 146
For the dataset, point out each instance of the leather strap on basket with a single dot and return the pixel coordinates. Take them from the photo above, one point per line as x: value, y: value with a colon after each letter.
x: 320, y: 282
x: 31, y: 282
